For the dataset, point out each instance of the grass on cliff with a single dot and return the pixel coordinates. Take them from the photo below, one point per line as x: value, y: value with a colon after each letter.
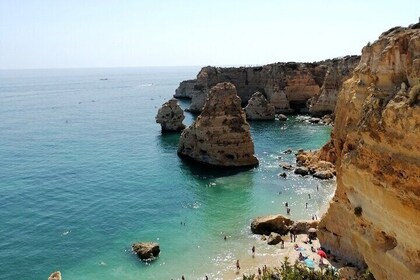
x: 298, y: 271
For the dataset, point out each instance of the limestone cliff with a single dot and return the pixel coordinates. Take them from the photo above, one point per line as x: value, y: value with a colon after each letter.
x: 288, y: 86
x: 374, y: 217
x: 220, y: 136
x: 325, y: 100
x: 186, y: 89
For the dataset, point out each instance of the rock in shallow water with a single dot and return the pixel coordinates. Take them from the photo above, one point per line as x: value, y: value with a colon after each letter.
x: 146, y: 250
x: 274, y: 239
x: 55, y: 276
x: 220, y: 136
x: 302, y: 171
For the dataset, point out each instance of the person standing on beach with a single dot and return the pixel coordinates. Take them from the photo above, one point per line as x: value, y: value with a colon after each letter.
x: 253, y: 251
x: 238, y: 267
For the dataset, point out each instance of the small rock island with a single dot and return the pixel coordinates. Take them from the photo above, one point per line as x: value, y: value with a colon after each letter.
x: 170, y: 116
x: 220, y: 136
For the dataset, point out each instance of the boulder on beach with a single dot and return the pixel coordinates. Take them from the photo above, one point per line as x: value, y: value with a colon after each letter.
x: 146, y: 250
x: 274, y: 239
x: 272, y: 223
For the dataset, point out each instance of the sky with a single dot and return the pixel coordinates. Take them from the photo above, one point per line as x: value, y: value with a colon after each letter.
x: 123, y: 33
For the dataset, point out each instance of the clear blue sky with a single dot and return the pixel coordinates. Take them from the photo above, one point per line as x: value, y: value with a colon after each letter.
x: 118, y: 33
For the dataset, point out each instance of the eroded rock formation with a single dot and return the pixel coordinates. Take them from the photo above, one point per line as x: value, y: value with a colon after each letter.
x: 324, y: 101
x: 146, y: 250
x: 287, y: 86
x: 258, y: 108
x: 170, y: 116
x: 374, y: 215
x: 220, y: 136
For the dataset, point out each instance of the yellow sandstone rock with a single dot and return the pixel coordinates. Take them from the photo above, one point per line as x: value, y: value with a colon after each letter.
x: 374, y: 217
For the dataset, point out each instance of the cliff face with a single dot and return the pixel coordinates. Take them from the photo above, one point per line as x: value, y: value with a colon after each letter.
x: 374, y: 217
x: 287, y: 86
x: 220, y: 136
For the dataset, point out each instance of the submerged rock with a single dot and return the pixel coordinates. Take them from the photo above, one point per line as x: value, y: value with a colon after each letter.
x: 272, y: 223
x: 258, y: 108
x: 220, y: 136
x: 55, y: 276
x: 146, y: 250
x: 170, y: 116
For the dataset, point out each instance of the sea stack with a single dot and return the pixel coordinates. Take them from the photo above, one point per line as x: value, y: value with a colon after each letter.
x: 220, y: 136
x: 374, y: 217
x: 170, y: 116
x: 258, y: 108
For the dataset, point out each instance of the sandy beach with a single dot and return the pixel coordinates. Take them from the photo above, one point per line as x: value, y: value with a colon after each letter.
x: 274, y: 255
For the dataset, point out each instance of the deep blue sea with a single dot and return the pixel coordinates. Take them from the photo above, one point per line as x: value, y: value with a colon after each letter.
x: 85, y: 172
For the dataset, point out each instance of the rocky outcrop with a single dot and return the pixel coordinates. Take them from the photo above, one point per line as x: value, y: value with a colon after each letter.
x: 258, y: 108
x: 186, y: 89
x: 146, y: 250
x: 220, y: 136
x: 302, y: 227
x: 287, y: 86
x: 272, y: 223
x: 55, y: 276
x: 325, y: 100
x: 170, y: 116
x: 374, y: 215
x: 318, y: 163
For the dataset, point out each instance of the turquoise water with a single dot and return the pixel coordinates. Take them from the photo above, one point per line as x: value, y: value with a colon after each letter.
x: 85, y: 172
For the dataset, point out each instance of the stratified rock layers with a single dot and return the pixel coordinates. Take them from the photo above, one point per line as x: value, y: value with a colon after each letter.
x: 374, y: 217
x: 220, y: 136
x: 287, y: 86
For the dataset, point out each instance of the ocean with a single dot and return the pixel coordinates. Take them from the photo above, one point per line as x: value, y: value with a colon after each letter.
x: 85, y: 172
